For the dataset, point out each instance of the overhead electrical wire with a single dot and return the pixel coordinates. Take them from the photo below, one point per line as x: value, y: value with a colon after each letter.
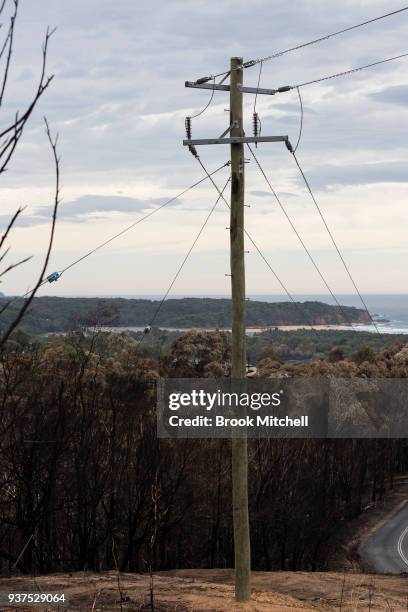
x: 180, y: 268
x: 334, y: 242
x: 57, y: 275
x: 257, y: 87
x: 251, y: 63
x: 336, y: 75
x: 202, y: 111
x: 307, y: 251
x: 188, y: 120
x: 150, y: 214
x: 295, y: 148
x: 247, y: 234
x: 315, y: 41
x: 256, y: 121
x: 293, y: 151
x: 346, y: 72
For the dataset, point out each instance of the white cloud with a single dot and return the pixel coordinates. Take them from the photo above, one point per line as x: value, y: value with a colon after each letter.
x: 119, y: 102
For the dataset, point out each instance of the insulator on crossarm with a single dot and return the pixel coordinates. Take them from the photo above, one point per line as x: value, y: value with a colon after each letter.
x: 255, y: 124
x: 187, y: 124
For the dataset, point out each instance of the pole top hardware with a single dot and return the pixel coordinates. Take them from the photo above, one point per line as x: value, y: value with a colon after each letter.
x: 203, y: 80
x: 234, y: 124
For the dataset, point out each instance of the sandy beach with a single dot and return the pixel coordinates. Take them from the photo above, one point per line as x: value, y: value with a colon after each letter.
x: 249, y: 330
x: 296, y: 327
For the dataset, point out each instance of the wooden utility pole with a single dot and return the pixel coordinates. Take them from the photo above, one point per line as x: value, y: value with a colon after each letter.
x: 236, y: 139
x: 239, y: 445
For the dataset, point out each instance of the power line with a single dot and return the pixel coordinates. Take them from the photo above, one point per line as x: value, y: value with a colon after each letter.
x: 290, y: 296
x: 257, y: 87
x: 323, y: 38
x: 315, y: 41
x: 301, y: 121
x: 346, y: 72
x: 188, y: 120
x: 334, y: 241
x: 336, y: 75
x: 202, y: 111
x: 256, y: 122
x: 56, y: 275
x: 180, y: 268
x: 299, y: 236
x: 150, y: 214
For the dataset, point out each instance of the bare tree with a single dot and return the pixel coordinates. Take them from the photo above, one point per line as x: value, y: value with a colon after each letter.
x: 10, y: 136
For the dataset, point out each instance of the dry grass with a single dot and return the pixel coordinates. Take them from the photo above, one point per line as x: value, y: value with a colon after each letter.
x: 212, y: 590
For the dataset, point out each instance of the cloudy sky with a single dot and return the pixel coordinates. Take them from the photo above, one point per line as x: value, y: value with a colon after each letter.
x: 118, y: 102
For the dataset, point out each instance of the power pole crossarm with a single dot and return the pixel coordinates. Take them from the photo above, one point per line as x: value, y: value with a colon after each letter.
x: 253, y: 90
x: 234, y: 140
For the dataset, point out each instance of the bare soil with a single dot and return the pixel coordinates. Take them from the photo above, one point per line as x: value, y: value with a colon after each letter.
x: 212, y: 590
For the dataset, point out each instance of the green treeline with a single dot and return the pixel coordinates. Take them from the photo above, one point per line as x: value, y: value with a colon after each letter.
x: 54, y: 314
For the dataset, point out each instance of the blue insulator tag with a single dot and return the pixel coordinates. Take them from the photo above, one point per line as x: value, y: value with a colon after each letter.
x: 53, y: 277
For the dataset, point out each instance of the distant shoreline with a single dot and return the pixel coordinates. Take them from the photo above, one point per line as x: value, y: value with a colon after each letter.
x: 253, y: 330
x: 249, y: 330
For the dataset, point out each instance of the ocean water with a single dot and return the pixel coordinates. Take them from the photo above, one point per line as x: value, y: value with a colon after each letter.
x: 393, y: 308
